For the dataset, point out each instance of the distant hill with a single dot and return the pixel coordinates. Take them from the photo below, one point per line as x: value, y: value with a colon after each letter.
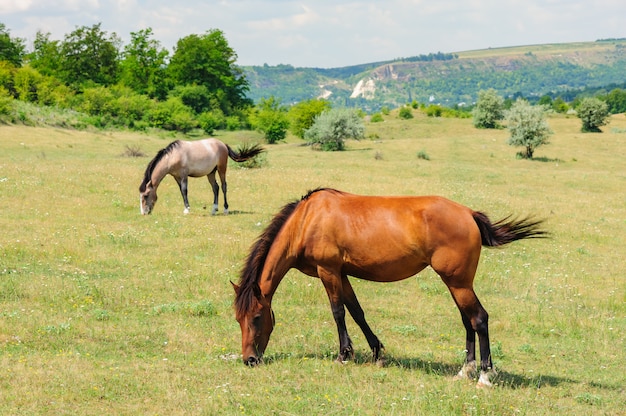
x: 449, y: 79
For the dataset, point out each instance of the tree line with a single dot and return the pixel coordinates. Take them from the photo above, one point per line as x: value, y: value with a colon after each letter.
x: 134, y: 85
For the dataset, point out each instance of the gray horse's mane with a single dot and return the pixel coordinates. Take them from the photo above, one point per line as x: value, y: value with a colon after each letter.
x: 160, y: 154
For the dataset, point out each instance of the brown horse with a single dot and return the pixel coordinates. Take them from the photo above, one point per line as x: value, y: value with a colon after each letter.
x: 183, y: 159
x: 331, y: 235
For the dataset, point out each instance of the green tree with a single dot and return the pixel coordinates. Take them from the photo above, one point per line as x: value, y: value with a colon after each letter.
x: 90, y: 55
x: 46, y: 55
x: 26, y: 82
x: 271, y: 119
x: 11, y: 49
x: 528, y: 127
x: 209, y: 61
x: 331, y: 129
x: 143, y: 65
x: 489, y: 109
x: 594, y: 113
x: 616, y: 101
x: 560, y: 106
x: 302, y: 115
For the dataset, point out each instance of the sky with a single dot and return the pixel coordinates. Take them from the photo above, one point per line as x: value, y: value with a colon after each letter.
x: 328, y: 33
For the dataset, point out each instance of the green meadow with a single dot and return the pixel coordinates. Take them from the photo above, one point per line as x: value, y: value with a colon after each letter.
x: 106, y: 311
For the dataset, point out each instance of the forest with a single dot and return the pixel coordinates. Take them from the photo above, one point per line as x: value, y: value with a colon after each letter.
x: 95, y: 79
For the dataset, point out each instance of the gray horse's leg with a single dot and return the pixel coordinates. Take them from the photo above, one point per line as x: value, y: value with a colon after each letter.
x: 182, y: 185
x: 216, y: 191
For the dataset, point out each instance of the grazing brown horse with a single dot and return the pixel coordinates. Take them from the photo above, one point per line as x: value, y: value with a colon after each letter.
x: 331, y: 235
x: 183, y: 159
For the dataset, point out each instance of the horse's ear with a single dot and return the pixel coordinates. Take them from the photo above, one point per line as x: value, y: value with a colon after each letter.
x: 236, y: 287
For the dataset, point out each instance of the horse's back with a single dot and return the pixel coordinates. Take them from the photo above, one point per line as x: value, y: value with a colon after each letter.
x: 395, y: 236
x: 201, y: 157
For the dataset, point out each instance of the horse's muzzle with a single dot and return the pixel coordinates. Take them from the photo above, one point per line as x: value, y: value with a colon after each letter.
x: 252, y: 361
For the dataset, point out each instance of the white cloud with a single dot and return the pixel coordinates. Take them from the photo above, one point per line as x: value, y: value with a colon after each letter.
x: 329, y: 33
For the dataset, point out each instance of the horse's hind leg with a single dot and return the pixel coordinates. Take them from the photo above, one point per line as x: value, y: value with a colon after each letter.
x: 475, y: 320
x: 216, y: 191
x: 352, y: 303
x: 222, y: 172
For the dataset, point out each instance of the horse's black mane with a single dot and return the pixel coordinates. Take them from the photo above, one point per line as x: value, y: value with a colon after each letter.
x: 251, y: 272
x: 148, y: 174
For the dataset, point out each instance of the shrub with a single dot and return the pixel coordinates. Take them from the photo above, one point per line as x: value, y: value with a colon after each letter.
x: 211, y: 121
x: 528, y: 127
x: 96, y: 101
x: 271, y: 119
x: 489, y: 109
x: 172, y: 115
x: 434, y: 111
x: 333, y: 127
x: 405, y: 113
x: 376, y: 118
x: 6, y: 102
x: 593, y: 113
x: 423, y: 155
x: 302, y: 115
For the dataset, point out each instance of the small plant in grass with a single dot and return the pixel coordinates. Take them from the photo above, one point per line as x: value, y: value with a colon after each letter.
x: 423, y: 155
x: 133, y: 151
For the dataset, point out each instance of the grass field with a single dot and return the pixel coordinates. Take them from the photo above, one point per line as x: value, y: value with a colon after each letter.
x: 105, y: 311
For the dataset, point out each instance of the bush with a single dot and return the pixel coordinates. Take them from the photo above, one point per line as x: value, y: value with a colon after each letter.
x: 96, y: 101
x: 302, y: 115
x: 593, y: 113
x: 376, y: 118
x: 6, y: 102
x: 211, y: 121
x: 172, y: 115
x: 271, y: 119
x: 434, y: 111
x: 405, y: 113
x: 489, y: 109
x: 528, y: 127
x: 333, y: 127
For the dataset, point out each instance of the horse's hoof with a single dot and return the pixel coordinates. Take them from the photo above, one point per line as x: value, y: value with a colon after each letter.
x: 468, y: 372
x: 484, y: 381
x: 186, y: 211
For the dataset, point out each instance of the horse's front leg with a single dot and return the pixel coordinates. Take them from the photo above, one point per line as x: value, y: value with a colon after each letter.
x: 182, y: 185
x: 332, y: 284
x: 358, y: 315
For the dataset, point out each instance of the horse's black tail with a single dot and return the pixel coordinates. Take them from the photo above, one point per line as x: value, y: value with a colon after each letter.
x: 245, y: 152
x: 507, y: 230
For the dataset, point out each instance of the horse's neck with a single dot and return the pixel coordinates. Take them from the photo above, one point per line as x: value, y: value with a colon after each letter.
x: 160, y: 170
x: 274, y: 270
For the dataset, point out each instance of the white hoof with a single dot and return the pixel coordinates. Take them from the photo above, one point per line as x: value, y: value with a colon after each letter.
x: 186, y: 211
x: 467, y: 372
x: 484, y: 379
x: 226, y: 211
x: 214, y: 210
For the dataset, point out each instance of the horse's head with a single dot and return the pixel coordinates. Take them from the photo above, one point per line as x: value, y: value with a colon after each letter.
x: 147, y: 198
x: 257, y: 324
